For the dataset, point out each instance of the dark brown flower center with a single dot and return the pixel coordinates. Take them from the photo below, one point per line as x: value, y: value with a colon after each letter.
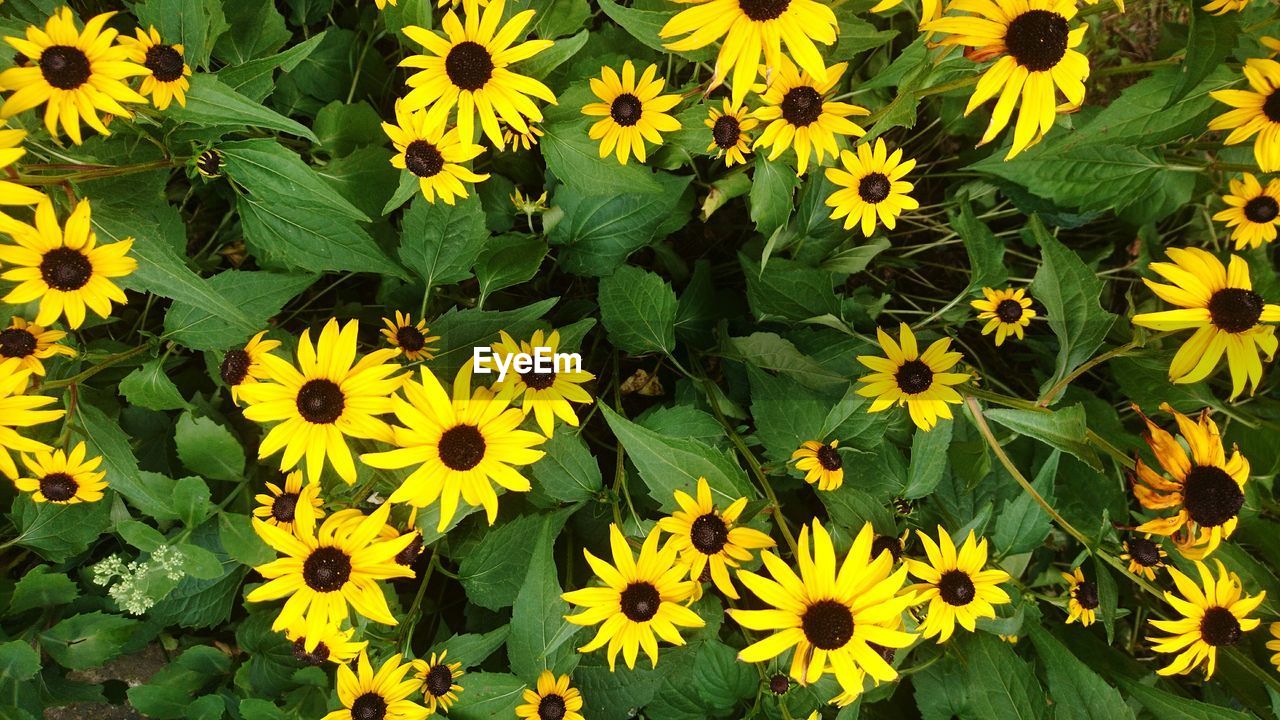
x: 469, y: 65
x: 58, y: 487
x: 1235, y: 310
x: 1219, y: 627
x: 423, y: 159
x: 369, y: 706
x: 725, y: 132
x: 1210, y: 496
x: 640, y: 602
x: 874, y: 188
x: 64, y: 67
x: 321, y: 402
x: 1144, y: 552
x: 209, y: 163
x: 886, y: 543
x: 315, y: 657
x: 411, y: 551
x: 539, y: 380
x: 410, y: 338
x: 779, y: 684
x: 801, y: 106
x: 1037, y: 39
x: 164, y: 62
x: 1086, y: 593
x: 626, y: 110
x: 708, y: 534
x: 439, y: 680
x: 829, y: 458
x: 762, y: 10
x: 17, y: 342
x: 284, y: 506
x: 956, y: 588
x: 1271, y: 106
x: 827, y: 624
x: 326, y: 569
x: 1262, y: 209
x: 551, y: 707
x: 461, y: 447
x: 65, y: 269
x: 235, y: 367
x: 914, y: 377
x: 1009, y: 310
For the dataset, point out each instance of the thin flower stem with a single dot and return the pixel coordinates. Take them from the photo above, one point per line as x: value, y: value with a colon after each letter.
x: 1052, y: 393
x: 406, y: 632
x: 90, y: 372
x: 96, y: 173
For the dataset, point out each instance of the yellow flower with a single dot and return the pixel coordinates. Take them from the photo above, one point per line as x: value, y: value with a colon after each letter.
x: 328, y: 397
x: 1145, y: 556
x: 324, y: 573
x: 1221, y: 306
x: 1214, y: 615
x: 30, y: 344
x: 1006, y: 311
x: 470, y: 68
x: 799, y: 114
x: 167, y: 69
x: 437, y: 679
x: 411, y: 339
x: 65, y: 269
x: 752, y: 28
x: 1083, y: 605
x: 1253, y: 211
x: 11, y: 150
x: 631, y: 111
x: 1275, y: 644
x: 384, y: 695
x: 242, y: 366
x: 527, y: 205
x: 279, y: 505
x: 334, y: 645
x: 1205, y: 488
x: 709, y: 540
x: 821, y: 464
x: 382, y: 4
x: 1222, y: 7
x: 907, y: 377
x: 63, y: 479
x: 1034, y: 42
x: 729, y: 138
x: 1255, y: 111
x: 458, y: 447
x: 18, y: 410
x: 431, y: 154
x: 546, y: 394
x: 956, y: 585
x: 829, y: 616
x: 639, y: 602
x: 871, y: 187
x: 553, y: 699
x: 75, y: 73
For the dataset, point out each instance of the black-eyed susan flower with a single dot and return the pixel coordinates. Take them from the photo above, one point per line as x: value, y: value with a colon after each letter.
x: 470, y: 68
x: 75, y: 73
x: 209, y: 163
x: 518, y: 140
x: 279, y: 505
x: 31, y: 344
x: 433, y: 155
x: 1007, y: 312
x: 241, y: 366
x: 821, y: 464
x: 438, y: 681
x: 1228, y: 317
x: 553, y: 699
x: 1215, y: 614
x: 547, y: 394
x: 830, y: 614
x: 957, y: 586
x: 411, y: 339
x: 458, y: 447
x: 167, y: 69
x: 327, y: 398
x: 334, y: 645
x: 871, y: 187
x: 19, y: 410
x: 1035, y: 43
x: 1255, y: 112
x: 631, y: 111
x: 1253, y: 212
x: 63, y: 478
x: 710, y: 540
x: 11, y: 150
x: 1204, y: 489
x: 751, y: 29
x: 729, y: 127
x: 908, y: 377
x: 1222, y: 7
x: 800, y: 116
x: 327, y: 570
x: 384, y: 695
x: 1274, y: 645
x: 1082, y: 603
x: 64, y: 268
x: 640, y: 602
x: 1144, y: 555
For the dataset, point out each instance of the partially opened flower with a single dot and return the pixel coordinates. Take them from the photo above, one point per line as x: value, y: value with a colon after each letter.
x: 241, y: 366
x: 334, y: 645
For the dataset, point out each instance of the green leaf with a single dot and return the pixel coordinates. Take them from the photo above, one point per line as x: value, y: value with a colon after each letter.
x: 568, y: 472
x: 472, y: 649
x: 494, y: 570
x: 309, y: 238
x: 789, y: 290
x: 598, y: 232
x: 19, y: 661
x: 489, y: 696
x: 140, y: 535
x: 40, y: 588
x: 540, y: 636
x: 84, y: 641
x: 150, y: 387
x: 441, y: 242
x: 638, y: 309
x: 1023, y: 525
x: 254, y: 78
x: 1000, y: 684
x: 1063, y: 429
x: 207, y: 448
x: 857, y: 258
x: 256, y: 29
x: 771, y: 189
x: 57, y: 532
x: 269, y: 170
x: 1168, y: 706
x: 257, y: 295
x: 191, y: 501
x: 1108, y: 596
x: 575, y: 158
x: 1210, y: 39
x: 541, y: 65
x: 194, y: 24
x: 211, y: 104
x: 343, y: 128
x: 770, y: 351
x: 149, y: 492
x: 720, y: 681
x: 985, y: 250
x: 508, y: 260
x: 1078, y: 692
x: 644, y: 25
x: 241, y: 542
x: 928, y: 460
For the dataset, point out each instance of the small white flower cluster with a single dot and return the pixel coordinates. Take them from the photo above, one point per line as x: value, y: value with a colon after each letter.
x: 169, y: 560
x: 132, y: 592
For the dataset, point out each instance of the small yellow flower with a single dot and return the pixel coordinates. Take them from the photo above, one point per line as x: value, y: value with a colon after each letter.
x: 871, y: 187
x: 729, y: 138
x: 384, y: 694
x: 411, y: 339
x: 167, y: 69
x: 57, y: 477
x: 554, y: 698
x: 1145, y: 556
x: 908, y: 377
x: 709, y: 540
x: 821, y: 464
x: 1253, y: 211
x: 31, y: 344
x: 1007, y: 312
x: 1083, y: 605
x: 956, y: 585
x: 279, y: 505
x: 1215, y: 614
x: 631, y: 111
x: 437, y: 679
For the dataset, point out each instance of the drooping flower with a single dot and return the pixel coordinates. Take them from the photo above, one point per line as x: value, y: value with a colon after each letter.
x: 334, y: 645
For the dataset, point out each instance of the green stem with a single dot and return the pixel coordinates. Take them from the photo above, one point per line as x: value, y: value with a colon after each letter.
x: 90, y: 372
x: 97, y: 173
